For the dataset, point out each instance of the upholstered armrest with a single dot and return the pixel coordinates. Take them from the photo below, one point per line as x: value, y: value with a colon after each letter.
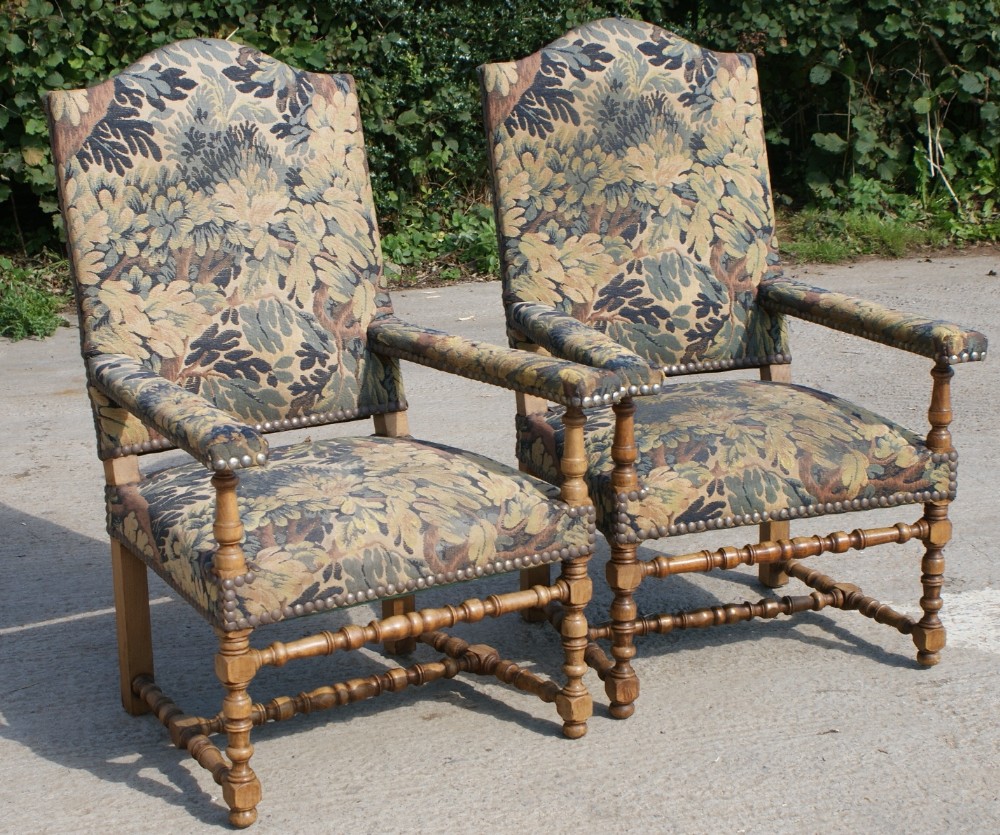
x: 939, y: 340
x: 190, y: 422
x: 570, y: 339
x: 554, y: 379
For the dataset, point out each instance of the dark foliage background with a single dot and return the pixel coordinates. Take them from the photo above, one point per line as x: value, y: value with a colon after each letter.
x: 888, y: 106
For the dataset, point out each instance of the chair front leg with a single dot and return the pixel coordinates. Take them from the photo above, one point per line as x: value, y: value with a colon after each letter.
x: 236, y: 665
x: 574, y: 702
x: 620, y: 681
x: 929, y: 634
x: 623, y: 571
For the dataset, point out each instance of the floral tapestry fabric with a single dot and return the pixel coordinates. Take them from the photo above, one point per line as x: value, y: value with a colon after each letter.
x: 185, y: 419
x: 942, y: 341
x: 632, y: 191
x: 222, y: 232
x: 339, y: 522
x: 567, y: 337
x: 555, y: 379
x: 727, y: 453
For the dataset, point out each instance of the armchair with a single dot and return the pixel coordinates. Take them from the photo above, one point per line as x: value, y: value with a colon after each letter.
x: 223, y: 242
x: 636, y: 233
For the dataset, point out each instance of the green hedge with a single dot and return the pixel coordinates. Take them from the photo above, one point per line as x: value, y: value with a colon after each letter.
x: 876, y: 104
x: 414, y: 62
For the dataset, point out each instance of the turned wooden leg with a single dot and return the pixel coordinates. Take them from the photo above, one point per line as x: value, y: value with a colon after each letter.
x: 620, y: 682
x: 773, y: 574
x: 235, y: 666
x: 135, y: 642
x: 399, y: 606
x: 131, y: 593
x: 929, y: 634
x: 574, y: 702
x: 623, y: 571
x: 537, y: 575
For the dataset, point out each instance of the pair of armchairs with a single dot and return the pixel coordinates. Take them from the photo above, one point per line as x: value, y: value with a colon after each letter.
x: 224, y: 246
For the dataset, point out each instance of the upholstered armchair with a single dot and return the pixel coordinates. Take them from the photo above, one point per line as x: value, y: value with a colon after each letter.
x: 636, y: 234
x: 223, y: 241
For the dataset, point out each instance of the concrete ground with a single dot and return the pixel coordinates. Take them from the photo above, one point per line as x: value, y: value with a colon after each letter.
x: 822, y: 723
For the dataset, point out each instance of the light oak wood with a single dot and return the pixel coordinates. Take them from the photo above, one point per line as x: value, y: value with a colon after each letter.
x: 623, y: 574
x: 395, y: 607
x: 528, y: 404
x: 132, y: 623
x: 328, y: 375
x: 392, y: 425
x: 396, y: 425
x: 773, y: 575
x: 928, y: 635
x: 698, y: 482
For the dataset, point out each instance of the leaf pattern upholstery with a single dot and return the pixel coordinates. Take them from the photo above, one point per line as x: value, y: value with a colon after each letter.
x: 561, y: 381
x: 632, y: 191
x: 723, y: 453
x: 332, y: 523
x: 632, y: 194
x: 229, y: 280
x: 633, y: 203
x: 942, y: 341
x: 223, y: 234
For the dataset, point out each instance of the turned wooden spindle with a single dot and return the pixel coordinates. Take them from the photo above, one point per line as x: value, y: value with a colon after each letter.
x: 229, y: 561
x: 574, y: 702
x: 574, y: 459
x: 784, y: 551
x: 235, y: 663
x: 929, y: 633
x: 235, y: 667
x: 624, y: 572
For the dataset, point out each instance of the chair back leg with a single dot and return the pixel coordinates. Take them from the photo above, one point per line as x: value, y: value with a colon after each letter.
x: 773, y: 575
x: 131, y: 594
x: 396, y: 425
x: 135, y: 637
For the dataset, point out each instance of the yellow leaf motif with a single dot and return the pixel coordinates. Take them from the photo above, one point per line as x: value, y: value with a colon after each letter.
x: 500, y: 78
x: 69, y: 105
x: 363, y: 304
x: 482, y: 543
x: 854, y: 471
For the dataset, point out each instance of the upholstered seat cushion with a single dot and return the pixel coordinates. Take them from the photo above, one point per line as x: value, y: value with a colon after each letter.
x: 338, y: 522
x: 723, y: 453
